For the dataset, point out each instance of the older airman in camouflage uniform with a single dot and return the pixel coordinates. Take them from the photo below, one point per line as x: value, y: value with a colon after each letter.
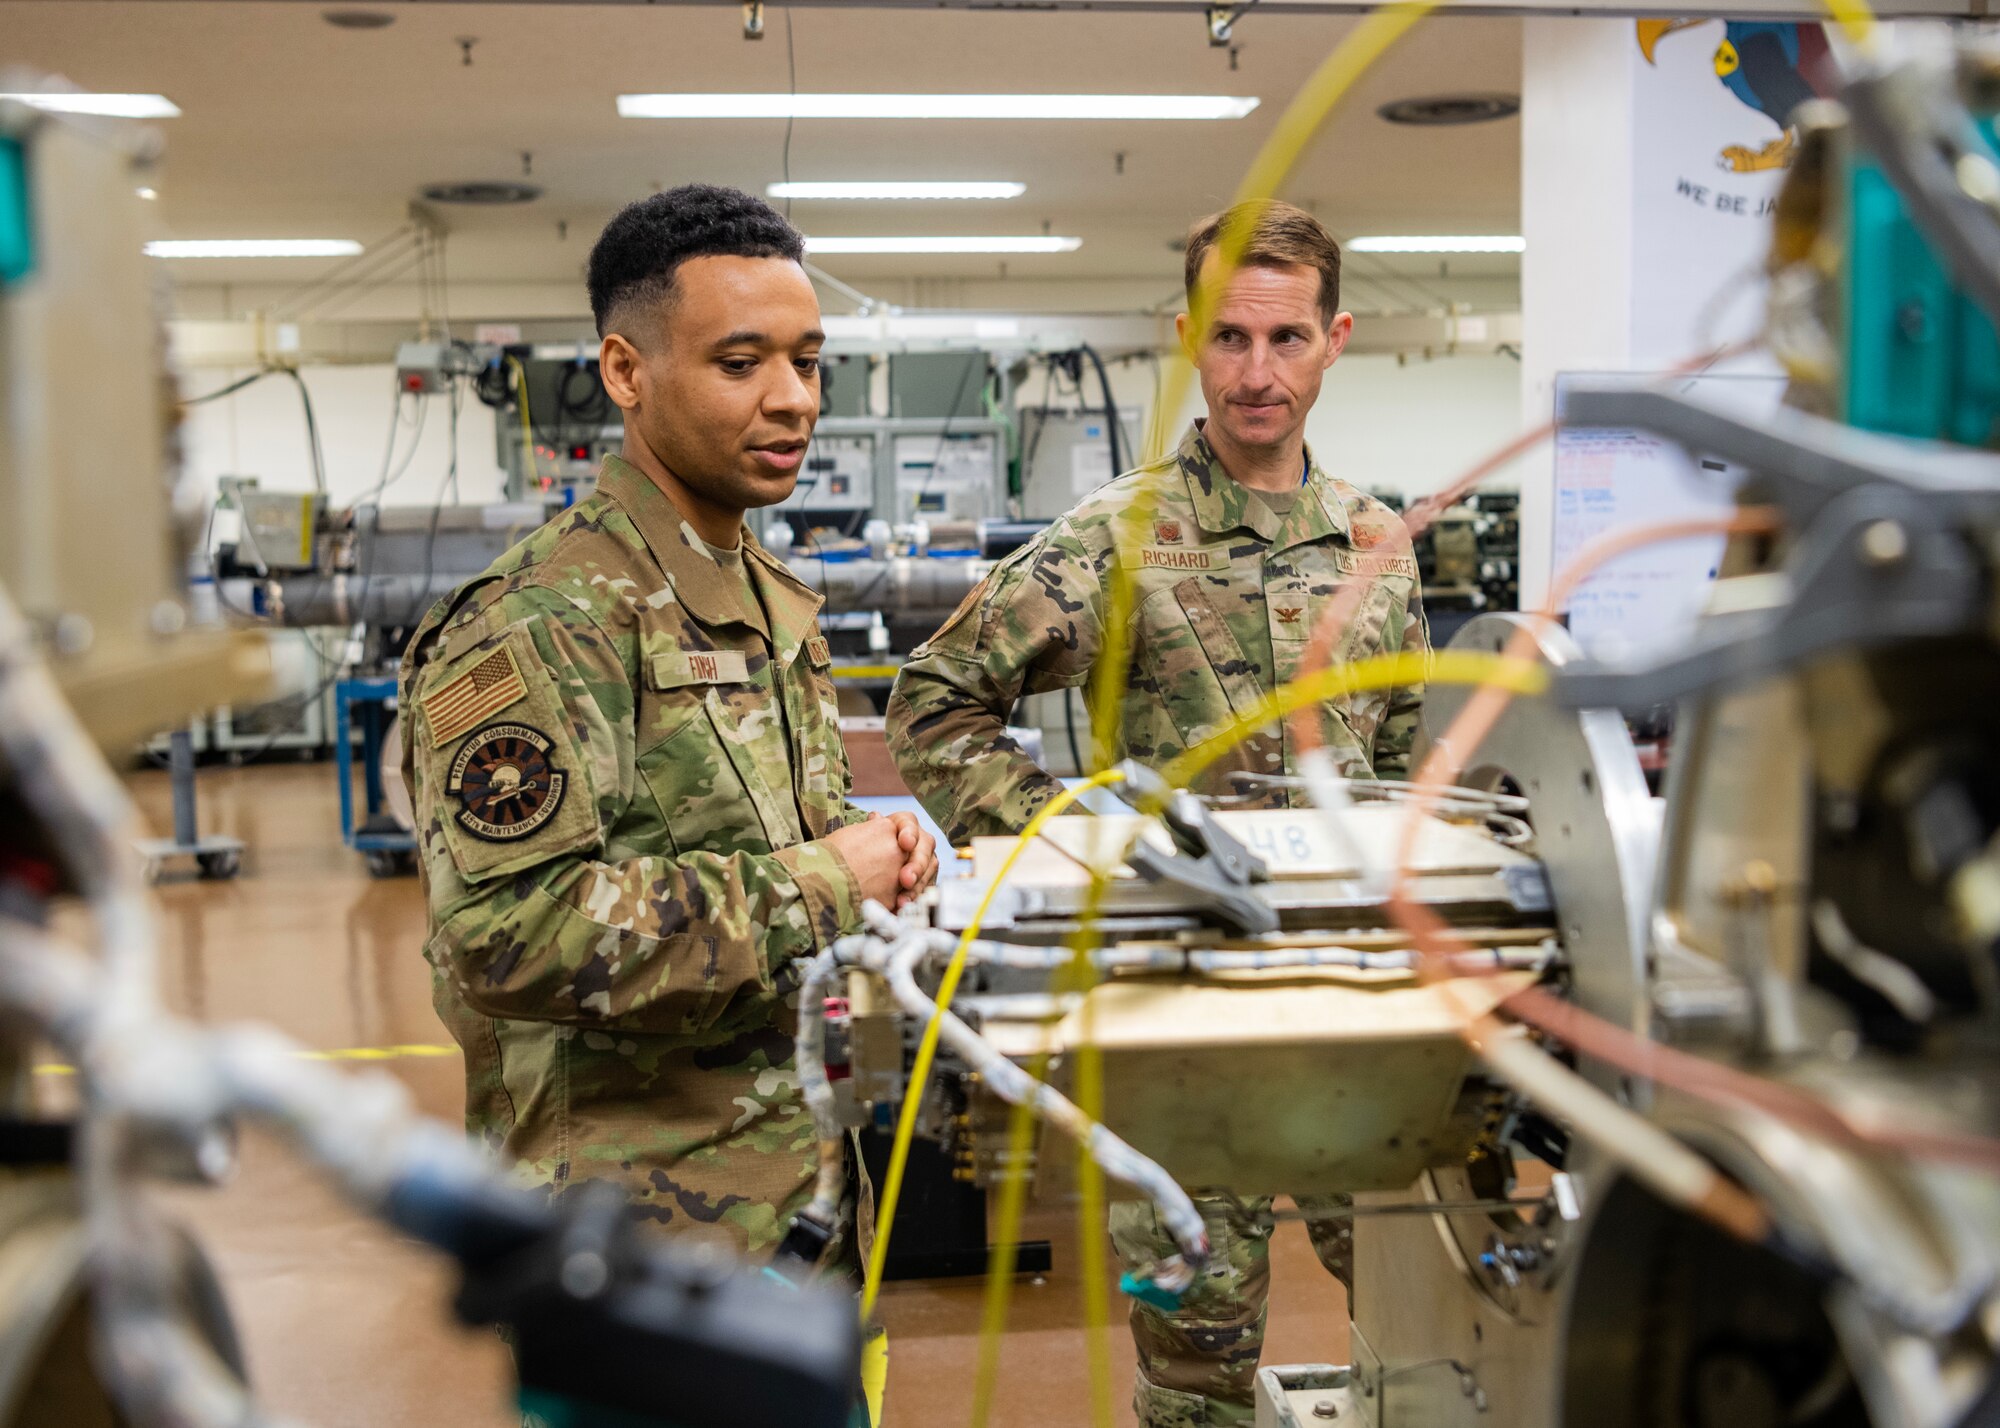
x: 630, y: 790
x: 1230, y: 580
x: 1227, y: 587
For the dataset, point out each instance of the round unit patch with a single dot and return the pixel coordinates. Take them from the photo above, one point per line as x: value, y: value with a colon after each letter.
x: 505, y: 783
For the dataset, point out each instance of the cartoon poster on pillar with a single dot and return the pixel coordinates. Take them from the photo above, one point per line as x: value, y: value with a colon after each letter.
x: 1712, y: 140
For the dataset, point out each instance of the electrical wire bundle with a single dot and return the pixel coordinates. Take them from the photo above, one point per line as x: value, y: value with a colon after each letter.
x: 1653, y: 1156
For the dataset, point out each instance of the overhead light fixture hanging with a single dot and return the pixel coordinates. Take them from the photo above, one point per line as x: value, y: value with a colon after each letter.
x: 346, y: 19
x: 1448, y: 109
x: 1439, y: 243
x: 896, y: 190
x: 253, y: 248
x: 953, y: 244
x: 109, y: 106
x: 486, y: 192
x: 934, y: 106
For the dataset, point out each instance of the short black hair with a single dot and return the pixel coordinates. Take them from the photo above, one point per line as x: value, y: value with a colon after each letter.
x: 637, y: 254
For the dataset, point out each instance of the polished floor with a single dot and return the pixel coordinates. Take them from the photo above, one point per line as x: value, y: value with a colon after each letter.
x: 345, y: 1325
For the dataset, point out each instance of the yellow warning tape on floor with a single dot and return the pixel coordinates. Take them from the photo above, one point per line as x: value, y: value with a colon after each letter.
x: 338, y: 1053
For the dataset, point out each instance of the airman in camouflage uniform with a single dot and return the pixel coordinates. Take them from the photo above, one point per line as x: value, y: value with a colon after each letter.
x: 618, y: 973
x: 1230, y: 580
x: 1226, y: 593
x: 623, y: 748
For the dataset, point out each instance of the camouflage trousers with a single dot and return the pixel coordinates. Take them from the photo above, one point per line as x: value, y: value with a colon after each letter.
x: 1198, y: 1363
x: 749, y: 1234
x: 709, y: 1141
x: 752, y: 1224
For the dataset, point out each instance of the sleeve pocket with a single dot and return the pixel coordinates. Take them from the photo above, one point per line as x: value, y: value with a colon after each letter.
x: 509, y: 785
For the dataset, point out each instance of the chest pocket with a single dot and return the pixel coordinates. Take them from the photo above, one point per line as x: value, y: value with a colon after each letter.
x: 1302, y: 589
x: 1377, y: 628
x: 823, y: 771
x: 697, y: 754
x: 1204, y: 677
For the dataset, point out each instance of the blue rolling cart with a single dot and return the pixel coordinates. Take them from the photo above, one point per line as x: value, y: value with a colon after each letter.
x: 388, y: 847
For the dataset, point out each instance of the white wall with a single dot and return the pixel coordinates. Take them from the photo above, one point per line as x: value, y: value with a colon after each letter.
x: 1414, y: 428
x: 261, y: 432
x: 1576, y: 214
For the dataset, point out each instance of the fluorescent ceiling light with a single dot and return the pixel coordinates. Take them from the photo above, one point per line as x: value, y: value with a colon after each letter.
x: 113, y: 106
x: 1494, y: 243
x: 943, y: 245
x: 896, y: 190
x: 254, y: 248
x: 933, y: 106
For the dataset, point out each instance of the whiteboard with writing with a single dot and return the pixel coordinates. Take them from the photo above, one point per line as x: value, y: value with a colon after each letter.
x: 1608, y: 480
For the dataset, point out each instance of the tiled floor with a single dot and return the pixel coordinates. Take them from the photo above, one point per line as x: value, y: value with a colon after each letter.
x: 346, y: 1326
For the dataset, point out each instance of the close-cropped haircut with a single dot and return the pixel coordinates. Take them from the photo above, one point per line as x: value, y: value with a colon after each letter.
x: 1280, y: 236
x: 635, y: 258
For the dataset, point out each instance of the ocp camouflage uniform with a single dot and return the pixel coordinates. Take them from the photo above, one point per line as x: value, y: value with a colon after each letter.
x: 621, y: 748
x: 1229, y: 585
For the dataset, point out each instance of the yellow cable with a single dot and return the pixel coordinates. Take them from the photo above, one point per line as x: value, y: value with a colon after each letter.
x: 527, y: 421
x: 1306, y: 115
x: 1091, y: 1217
x: 1521, y: 676
x: 1856, y: 21
x: 1379, y: 672
x: 920, y: 1070
x: 1014, y: 1185
x: 1303, y: 118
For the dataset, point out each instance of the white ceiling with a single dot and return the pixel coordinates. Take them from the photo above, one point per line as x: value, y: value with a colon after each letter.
x: 292, y: 128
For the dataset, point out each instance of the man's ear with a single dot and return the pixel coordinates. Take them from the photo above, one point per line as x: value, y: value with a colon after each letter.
x: 618, y: 366
x: 1184, y: 330
x: 1337, y: 333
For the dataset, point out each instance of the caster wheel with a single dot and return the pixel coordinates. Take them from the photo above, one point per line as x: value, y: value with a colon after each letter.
x: 215, y: 866
x: 390, y: 863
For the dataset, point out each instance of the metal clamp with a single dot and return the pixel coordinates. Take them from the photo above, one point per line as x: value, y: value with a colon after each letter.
x: 1211, y: 864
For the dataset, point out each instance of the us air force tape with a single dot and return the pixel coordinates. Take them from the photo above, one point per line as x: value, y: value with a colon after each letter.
x: 506, y: 784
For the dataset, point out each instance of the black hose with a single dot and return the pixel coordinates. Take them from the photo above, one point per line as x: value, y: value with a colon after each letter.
x: 1110, y: 409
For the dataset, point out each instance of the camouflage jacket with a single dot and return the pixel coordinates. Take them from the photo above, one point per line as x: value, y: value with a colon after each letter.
x: 619, y: 766
x: 1227, y: 591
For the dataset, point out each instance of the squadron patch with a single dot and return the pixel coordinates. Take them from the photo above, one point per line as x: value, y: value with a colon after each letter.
x: 505, y: 782
x: 1167, y: 532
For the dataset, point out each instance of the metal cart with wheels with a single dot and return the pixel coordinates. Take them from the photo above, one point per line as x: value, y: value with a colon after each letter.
x: 215, y: 856
x: 379, y: 837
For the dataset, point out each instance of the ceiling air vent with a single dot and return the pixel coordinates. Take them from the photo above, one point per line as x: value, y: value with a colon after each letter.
x: 1452, y: 109
x: 358, y: 19
x: 490, y: 193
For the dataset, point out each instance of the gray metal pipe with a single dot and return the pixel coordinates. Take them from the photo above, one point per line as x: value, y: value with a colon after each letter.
x: 905, y: 585
x: 377, y: 600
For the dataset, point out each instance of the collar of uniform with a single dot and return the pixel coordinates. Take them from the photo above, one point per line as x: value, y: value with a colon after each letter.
x: 1222, y: 504
x: 711, y: 595
x: 793, y: 605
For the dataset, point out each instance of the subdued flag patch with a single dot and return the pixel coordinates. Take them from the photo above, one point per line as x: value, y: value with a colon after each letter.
x: 478, y: 694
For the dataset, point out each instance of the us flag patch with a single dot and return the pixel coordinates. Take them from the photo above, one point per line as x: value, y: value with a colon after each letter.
x: 478, y: 694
